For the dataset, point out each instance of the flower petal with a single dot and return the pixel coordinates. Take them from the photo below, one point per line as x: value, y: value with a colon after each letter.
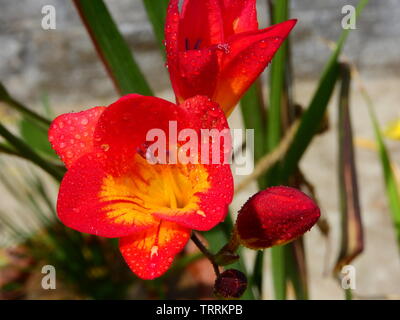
x: 91, y: 200
x: 171, y: 43
x: 150, y: 253
x: 192, y: 64
x: 213, y: 200
x: 197, y: 73
x: 122, y: 129
x: 245, y: 57
x: 211, y: 205
x: 201, y: 24
x: 239, y: 16
x: 203, y: 113
x: 71, y: 134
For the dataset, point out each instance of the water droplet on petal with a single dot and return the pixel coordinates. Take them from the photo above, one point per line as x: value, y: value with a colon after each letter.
x: 105, y: 147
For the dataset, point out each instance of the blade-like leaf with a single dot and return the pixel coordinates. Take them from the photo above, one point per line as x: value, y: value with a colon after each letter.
x: 254, y: 116
x: 392, y: 190
x: 156, y: 12
x: 296, y: 268
x: 314, y: 114
x: 277, y: 79
x: 278, y: 88
x: 112, y: 48
x: 35, y: 136
x: 352, y: 239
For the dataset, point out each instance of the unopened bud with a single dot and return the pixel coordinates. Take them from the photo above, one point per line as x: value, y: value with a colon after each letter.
x: 230, y: 284
x: 275, y: 216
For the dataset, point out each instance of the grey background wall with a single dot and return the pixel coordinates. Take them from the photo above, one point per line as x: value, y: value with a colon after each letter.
x: 63, y: 61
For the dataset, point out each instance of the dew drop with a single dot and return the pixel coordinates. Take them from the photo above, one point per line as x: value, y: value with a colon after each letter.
x: 263, y: 44
x: 105, y: 147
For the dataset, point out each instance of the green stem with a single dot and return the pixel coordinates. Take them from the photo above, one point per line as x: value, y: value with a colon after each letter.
x: 278, y: 272
x: 6, y: 98
x: 348, y: 294
x: 280, y: 13
x: 207, y: 253
x: 29, y: 154
x: 7, y: 150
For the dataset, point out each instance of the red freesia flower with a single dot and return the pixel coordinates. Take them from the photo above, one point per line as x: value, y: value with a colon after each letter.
x: 111, y: 190
x: 275, y: 216
x: 214, y: 48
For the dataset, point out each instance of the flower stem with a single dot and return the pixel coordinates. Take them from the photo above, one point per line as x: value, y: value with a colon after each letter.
x: 28, y: 153
x: 207, y: 253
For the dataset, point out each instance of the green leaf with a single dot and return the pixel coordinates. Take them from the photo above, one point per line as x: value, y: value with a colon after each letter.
x: 277, y: 79
x: 35, y: 136
x: 254, y: 114
x: 156, y: 12
x: 112, y: 48
x: 274, y: 134
x: 314, y: 114
x: 296, y: 268
x: 392, y: 190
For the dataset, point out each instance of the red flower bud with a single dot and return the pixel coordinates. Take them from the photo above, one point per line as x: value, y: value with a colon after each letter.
x: 230, y: 284
x: 275, y: 216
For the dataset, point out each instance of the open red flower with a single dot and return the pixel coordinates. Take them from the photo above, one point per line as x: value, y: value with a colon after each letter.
x: 111, y: 190
x: 214, y: 48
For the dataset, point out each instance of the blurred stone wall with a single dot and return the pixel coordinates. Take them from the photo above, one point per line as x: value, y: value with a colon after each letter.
x: 63, y: 63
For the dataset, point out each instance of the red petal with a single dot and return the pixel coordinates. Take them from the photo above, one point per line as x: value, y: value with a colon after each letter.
x: 201, y: 21
x: 202, y: 113
x: 239, y: 16
x: 198, y: 71
x: 122, y: 129
x: 172, y: 27
x: 212, y: 203
x: 193, y: 72
x: 150, y: 253
x: 246, y: 56
x: 90, y: 200
x: 171, y: 43
x: 71, y: 134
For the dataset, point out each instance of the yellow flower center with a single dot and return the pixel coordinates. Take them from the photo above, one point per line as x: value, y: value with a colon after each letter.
x: 153, y: 188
